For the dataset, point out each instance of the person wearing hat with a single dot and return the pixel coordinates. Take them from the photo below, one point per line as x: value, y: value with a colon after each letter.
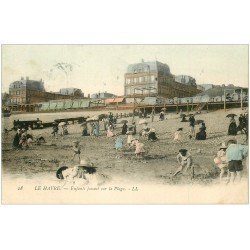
x: 130, y: 137
x: 133, y: 128
x: 184, y: 159
x: 232, y: 128
x: 192, y: 125
x: 23, y: 139
x: 201, y: 135
x: 16, y: 140
x: 76, y: 150
x: 139, y: 147
x: 151, y: 135
x: 235, y: 153
x: 178, y: 134
x: 124, y: 128
x: 161, y: 118
x: 55, y: 129
x: 78, y: 171
x: 221, y: 161
x: 145, y: 129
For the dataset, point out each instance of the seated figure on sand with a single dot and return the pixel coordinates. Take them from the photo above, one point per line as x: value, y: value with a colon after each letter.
x: 201, y: 135
x: 184, y: 160
x: 83, y: 173
x: 145, y: 130
x: 152, y: 135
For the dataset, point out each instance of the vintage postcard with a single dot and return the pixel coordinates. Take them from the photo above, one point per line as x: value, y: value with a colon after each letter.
x: 124, y: 124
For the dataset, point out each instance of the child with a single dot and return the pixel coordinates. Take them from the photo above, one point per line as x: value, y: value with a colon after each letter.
x: 118, y: 143
x: 221, y: 161
x: 110, y: 131
x: 76, y: 150
x: 235, y: 153
x: 145, y: 130
x: 185, y: 160
x: 178, y: 134
x: 139, y: 148
x: 55, y: 130
x: 130, y: 137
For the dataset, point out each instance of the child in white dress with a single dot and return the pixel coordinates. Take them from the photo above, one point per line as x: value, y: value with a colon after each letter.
x: 221, y: 162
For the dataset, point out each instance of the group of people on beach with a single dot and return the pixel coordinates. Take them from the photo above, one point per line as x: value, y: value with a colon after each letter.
x: 24, y: 138
x: 233, y: 129
x: 228, y: 158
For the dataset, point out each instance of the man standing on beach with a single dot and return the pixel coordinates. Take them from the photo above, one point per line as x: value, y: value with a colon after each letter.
x: 235, y: 153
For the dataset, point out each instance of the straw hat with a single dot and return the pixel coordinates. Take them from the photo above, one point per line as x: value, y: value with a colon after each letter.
x: 231, y: 141
x: 223, y: 145
x: 85, y: 163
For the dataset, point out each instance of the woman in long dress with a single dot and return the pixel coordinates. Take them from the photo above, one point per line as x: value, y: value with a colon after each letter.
x: 232, y: 128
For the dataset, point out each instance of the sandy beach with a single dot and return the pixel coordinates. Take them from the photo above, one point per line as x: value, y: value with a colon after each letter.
x: 39, y: 163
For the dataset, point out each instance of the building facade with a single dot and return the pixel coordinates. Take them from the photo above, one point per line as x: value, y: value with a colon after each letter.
x: 26, y: 94
x: 28, y: 91
x: 155, y: 79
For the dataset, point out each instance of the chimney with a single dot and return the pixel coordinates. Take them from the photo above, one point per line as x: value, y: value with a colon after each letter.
x: 22, y: 78
x: 88, y: 95
x: 27, y: 78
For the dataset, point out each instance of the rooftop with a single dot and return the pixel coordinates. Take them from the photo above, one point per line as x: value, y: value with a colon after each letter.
x: 149, y: 66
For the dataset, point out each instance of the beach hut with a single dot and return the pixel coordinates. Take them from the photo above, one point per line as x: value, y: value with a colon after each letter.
x: 59, y: 105
x: 76, y: 104
x: 217, y: 99
x: 68, y: 104
x: 196, y: 99
x: 44, y: 106
x: 177, y: 100
x: 84, y: 104
x: 205, y: 98
x: 235, y: 97
x: 52, y: 105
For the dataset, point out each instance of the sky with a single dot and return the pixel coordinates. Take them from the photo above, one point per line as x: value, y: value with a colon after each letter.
x: 101, y: 68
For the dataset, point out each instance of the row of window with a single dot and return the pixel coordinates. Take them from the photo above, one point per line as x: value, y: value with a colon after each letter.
x: 18, y: 92
x: 16, y: 86
x: 131, y: 91
x: 140, y: 79
x: 17, y: 100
